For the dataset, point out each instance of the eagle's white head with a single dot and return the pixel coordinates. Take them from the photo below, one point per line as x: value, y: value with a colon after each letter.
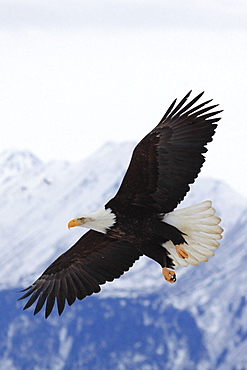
x: 100, y: 220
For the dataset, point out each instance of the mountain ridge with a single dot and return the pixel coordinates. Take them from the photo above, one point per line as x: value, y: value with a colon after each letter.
x: 199, y: 322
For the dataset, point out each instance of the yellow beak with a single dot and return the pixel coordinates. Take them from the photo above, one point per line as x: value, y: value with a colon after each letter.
x: 75, y: 222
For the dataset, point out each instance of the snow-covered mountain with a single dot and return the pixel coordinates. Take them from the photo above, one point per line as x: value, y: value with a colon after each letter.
x: 138, y: 321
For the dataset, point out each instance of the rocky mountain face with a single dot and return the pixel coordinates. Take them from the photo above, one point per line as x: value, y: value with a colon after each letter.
x: 138, y: 321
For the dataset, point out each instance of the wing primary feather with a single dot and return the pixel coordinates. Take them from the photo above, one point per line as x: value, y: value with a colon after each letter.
x: 50, y: 286
x: 63, y: 288
x: 90, y: 284
x: 49, y: 305
x: 24, y: 290
x: 79, y: 286
x: 40, y: 303
x: 196, y: 107
x: 29, y: 290
x: 208, y: 115
x: 71, y: 296
x: 168, y: 111
x: 60, y: 304
x: 56, y: 287
x: 187, y: 106
x: 32, y: 299
x: 61, y: 296
x: 198, y: 112
x: 181, y: 103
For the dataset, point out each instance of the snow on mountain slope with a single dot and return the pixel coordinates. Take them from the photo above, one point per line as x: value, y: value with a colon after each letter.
x: 36, y: 202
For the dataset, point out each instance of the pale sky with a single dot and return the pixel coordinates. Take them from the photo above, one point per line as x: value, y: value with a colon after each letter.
x: 75, y: 74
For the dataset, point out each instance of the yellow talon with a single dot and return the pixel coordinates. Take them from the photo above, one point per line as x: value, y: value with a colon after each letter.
x: 169, y: 275
x: 181, y: 252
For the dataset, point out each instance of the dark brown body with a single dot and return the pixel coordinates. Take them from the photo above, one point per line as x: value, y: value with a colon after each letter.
x: 145, y: 229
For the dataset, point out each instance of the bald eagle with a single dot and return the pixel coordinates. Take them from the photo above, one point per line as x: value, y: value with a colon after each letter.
x: 140, y: 219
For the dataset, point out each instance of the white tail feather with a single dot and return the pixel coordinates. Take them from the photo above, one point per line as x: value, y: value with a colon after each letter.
x: 202, y: 232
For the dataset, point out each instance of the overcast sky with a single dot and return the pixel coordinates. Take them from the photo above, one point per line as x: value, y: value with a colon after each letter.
x: 75, y: 74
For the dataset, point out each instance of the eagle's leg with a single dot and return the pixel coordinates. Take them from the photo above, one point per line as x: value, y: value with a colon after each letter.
x: 160, y: 255
x: 169, y: 275
x: 181, y: 252
x: 176, y: 237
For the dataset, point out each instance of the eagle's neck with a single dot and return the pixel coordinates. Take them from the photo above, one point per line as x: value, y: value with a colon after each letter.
x: 100, y: 220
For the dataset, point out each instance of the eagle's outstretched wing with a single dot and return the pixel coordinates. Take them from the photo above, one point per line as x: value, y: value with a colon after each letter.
x: 170, y: 157
x: 90, y: 262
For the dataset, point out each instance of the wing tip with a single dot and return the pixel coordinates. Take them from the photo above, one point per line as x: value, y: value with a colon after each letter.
x: 176, y: 111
